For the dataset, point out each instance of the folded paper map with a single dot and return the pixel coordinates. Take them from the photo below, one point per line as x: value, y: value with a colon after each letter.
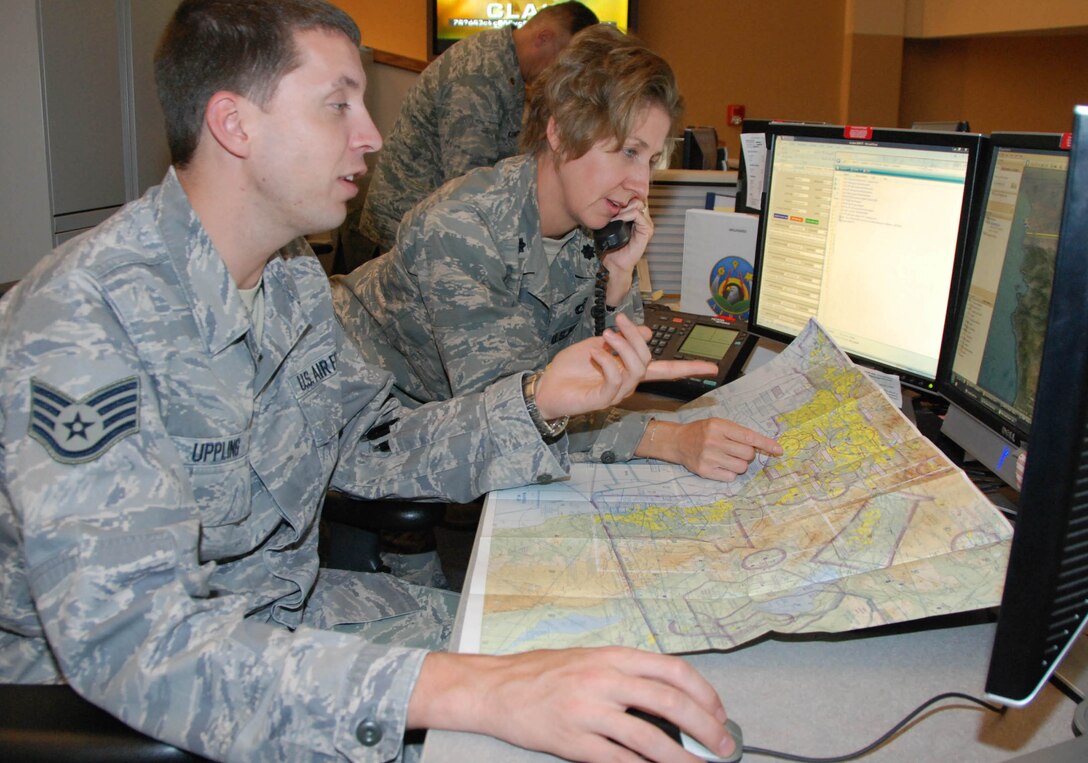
x: 862, y: 522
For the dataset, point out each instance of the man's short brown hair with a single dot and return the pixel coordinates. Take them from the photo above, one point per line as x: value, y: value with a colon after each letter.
x: 243, y: 46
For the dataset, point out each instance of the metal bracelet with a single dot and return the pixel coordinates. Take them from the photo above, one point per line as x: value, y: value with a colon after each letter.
x: 549, y: 430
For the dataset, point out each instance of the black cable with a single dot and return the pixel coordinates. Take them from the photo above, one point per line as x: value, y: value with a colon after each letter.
x: 598, y: 311
x: 880, y: 740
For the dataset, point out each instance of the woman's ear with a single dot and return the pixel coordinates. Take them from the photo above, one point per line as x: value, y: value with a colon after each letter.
x: 224, y: 119
x: 552, y: 131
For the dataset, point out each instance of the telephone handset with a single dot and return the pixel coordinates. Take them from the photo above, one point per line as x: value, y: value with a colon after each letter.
x: 612, y: 236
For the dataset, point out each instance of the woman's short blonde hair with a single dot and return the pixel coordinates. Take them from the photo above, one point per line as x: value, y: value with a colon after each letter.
x: 595, y: 90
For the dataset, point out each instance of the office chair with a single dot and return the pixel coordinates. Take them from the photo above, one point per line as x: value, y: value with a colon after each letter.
x: 352, y: 529
x: 53, y: 724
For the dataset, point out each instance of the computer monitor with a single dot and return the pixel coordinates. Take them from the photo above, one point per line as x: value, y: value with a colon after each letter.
x: 951, y: 125
x: 996, y: 337
x: 700, y: 148
x: 451, y: 20
x: 864, y: 229
x: 1044, y: 607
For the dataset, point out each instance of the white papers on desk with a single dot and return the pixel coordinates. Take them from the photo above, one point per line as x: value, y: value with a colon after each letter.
x: 889, y: 383
x: 754, y: 147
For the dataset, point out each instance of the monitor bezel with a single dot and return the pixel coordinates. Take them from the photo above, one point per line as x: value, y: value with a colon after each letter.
x: 1044, y: 606
x: 436, y: 45
x: 971, y: 142
x: 1012, y: 432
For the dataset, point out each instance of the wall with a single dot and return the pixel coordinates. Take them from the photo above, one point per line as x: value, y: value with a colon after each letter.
x: 1000, y: 64
x: 25, y: 213
x: 958, y: 18
x: 844, y: 60
x: 1017, y: 83
x: 781, y: 58
x: 872, y: 64
x: 396, y: 27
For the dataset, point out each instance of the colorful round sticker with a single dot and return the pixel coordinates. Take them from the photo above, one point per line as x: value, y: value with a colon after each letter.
x: 731, y: 287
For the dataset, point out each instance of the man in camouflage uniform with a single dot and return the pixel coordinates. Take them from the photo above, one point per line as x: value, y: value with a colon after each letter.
x: 175, y: 398
x: 464, y: 111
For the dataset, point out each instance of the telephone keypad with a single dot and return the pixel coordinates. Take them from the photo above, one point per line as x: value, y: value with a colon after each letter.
x: 670, y: 329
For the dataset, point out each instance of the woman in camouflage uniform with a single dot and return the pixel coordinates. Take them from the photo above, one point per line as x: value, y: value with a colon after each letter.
x: 496, y: 272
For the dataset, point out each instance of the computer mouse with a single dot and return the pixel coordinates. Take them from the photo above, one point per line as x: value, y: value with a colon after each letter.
x: 697, y: 749
x: 690, y: 744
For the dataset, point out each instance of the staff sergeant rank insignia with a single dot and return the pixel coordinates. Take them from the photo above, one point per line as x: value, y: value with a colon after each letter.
x: 76, y: 431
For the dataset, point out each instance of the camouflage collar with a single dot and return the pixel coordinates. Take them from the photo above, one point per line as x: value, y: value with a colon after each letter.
x: 550, y: 282
x: 216, y: 304
x: 284, y: 320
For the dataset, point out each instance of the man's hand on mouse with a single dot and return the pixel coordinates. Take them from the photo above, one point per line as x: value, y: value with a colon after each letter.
x: 573, y: 702
x: 691, y: 745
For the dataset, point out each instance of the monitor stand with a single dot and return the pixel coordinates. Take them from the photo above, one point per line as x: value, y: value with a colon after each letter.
x: 1073, y: 670
x: 1072, y: 676
x: 991, y: 450
x: 1073, y: 751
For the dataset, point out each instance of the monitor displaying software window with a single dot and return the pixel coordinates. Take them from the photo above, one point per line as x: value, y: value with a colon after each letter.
x: 996, y: 339
x: 864, y: 230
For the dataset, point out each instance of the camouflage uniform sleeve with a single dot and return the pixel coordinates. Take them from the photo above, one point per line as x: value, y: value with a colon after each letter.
x: 468, y: 125
x: 457, y: 449
x: 130, y: 611
x: 610, y: 436
x: 606, y: 436
x: 631, y: 305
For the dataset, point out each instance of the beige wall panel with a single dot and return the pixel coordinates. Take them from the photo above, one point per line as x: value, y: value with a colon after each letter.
x: 782, y: 59
x: 873, y: 81
x: 1023, y: 83
x: 958, y: 18
x: 396, y: 27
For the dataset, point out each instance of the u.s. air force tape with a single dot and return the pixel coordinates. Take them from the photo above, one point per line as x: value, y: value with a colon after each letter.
x: 77, y: 431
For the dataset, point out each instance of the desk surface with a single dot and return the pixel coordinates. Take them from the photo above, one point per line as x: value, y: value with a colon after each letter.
x: 823, y: 696
x: 831, y: 695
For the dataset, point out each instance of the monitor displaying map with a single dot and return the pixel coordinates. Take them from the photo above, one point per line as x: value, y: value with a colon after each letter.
x: 1000, y: 321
